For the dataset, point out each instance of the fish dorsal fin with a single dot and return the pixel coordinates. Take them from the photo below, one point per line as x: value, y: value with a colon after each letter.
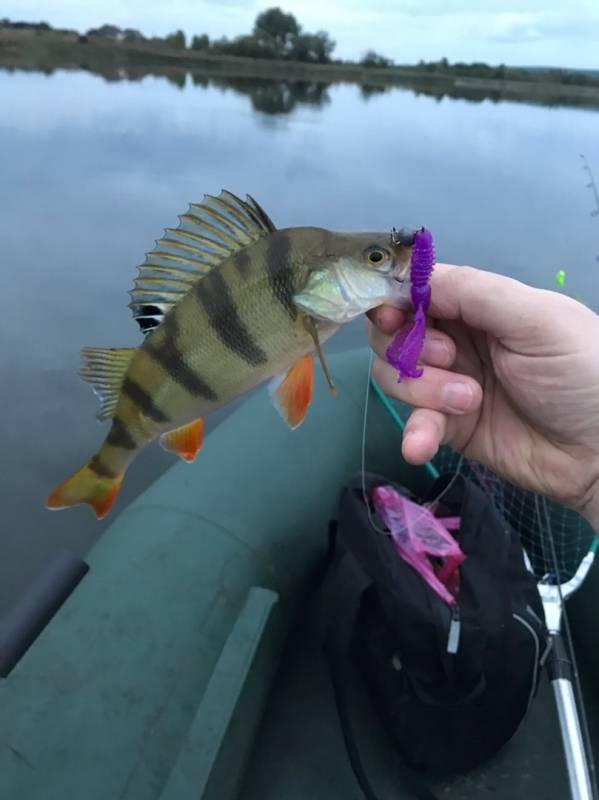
x: 207, y: 233
x: 104, y: 368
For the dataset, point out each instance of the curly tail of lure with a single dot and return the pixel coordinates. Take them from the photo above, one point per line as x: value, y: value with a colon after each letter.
x: 404, y: 351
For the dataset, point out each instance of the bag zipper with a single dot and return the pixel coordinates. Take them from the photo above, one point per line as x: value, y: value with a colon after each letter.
x: 453, y: 639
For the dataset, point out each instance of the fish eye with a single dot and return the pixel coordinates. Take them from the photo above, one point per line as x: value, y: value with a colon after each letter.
x: 376, y: 256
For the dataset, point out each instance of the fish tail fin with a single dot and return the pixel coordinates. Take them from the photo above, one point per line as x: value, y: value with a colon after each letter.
x: 87, y: 485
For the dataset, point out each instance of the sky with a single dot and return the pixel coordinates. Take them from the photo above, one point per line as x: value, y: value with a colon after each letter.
x: 514, y: 32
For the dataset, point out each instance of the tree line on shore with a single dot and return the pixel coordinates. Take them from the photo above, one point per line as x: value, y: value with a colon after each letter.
x: 275, y: 35
x: 278, y: 35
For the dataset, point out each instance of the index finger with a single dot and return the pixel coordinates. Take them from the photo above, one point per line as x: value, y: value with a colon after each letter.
x: 387, y: 319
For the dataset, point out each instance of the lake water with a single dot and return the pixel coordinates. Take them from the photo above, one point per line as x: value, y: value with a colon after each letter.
x: 92, y: 171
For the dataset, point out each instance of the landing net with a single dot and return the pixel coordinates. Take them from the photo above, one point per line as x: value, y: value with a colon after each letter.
x: 534, y: 518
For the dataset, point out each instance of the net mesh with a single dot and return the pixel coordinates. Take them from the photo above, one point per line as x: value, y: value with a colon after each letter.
x: 534, y: 518
x: 555, y: 538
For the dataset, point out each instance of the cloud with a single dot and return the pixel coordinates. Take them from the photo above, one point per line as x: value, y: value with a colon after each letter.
x: 516, y: 28
x: 471, y: 7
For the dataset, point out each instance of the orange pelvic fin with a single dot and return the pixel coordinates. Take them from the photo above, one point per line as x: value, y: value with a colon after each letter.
x: 187, y: 440
x: 292, y: 393
x: 87, y: 486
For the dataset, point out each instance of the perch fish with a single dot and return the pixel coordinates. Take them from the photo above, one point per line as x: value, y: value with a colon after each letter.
x: 227, y: 301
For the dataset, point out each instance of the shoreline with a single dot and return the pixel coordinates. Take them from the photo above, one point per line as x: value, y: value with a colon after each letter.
x: 28, y: 51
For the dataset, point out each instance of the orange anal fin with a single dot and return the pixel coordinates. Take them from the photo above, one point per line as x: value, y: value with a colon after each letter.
x: 187, y: 440
x: 86, y: 486
x: 292, y: 393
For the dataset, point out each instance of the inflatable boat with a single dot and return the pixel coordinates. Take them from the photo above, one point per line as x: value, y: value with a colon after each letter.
x: 181, y: 661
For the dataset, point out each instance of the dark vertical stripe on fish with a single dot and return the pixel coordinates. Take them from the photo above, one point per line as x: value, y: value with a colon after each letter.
x: 142, y: 399
x: 242, y: 263
x: 280, y: 273
x: 100, y: 468
x: 216, y: 299
x: 166, y: 352
x: 119, y: 435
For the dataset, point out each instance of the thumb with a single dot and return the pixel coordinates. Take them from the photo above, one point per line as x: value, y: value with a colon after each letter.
x: 501, y: 306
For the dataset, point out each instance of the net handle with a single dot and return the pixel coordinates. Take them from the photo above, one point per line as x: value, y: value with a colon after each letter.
x: 555, y: 594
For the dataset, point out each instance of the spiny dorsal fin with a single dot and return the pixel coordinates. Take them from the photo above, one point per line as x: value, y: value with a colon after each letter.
x: 207, y: 233
x: 104, y: 368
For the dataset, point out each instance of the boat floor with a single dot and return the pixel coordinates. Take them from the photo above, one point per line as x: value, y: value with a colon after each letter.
x: 299, y: 751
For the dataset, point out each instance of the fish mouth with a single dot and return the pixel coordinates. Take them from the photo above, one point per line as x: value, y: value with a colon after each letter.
x: 404, y: 236
x: 401, y: 274
x: 402, y: 239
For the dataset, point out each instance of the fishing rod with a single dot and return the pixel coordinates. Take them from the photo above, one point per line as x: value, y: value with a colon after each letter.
x: 591, y: 185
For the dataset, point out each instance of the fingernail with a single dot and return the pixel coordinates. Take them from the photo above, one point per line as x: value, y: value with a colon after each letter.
x: 437, y: 350
x: 413, y: 436
x: 457, y: 396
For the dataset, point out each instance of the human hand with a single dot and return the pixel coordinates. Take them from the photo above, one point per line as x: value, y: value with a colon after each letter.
x: 511, y: 379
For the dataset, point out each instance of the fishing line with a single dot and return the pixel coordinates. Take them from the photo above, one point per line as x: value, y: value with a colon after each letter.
x: 365, y: 498
x: 583, y: 719
x: 396, y: 418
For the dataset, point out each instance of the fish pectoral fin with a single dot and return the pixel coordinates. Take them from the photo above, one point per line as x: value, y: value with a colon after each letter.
x: 292, y: 391
x: 187, y: 440
x: 104, y: 368
x: 312, y: 329
x: 87, y: 486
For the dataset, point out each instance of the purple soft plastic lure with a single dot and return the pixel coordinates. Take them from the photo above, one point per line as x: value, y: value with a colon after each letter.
x: 404, y: 351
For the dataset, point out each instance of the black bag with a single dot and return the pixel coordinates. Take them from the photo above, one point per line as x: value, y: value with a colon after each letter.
x: 451, y: 686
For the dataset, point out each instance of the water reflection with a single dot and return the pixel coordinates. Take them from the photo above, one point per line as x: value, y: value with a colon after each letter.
x: 273, y: 97
x: 367, y: 90
x: 271, y: 94
x: 473, y: 93
x: 278, y: 96
x: 478, y: 94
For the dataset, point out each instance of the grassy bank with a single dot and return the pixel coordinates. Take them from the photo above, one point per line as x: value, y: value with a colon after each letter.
x: 50, y: 50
